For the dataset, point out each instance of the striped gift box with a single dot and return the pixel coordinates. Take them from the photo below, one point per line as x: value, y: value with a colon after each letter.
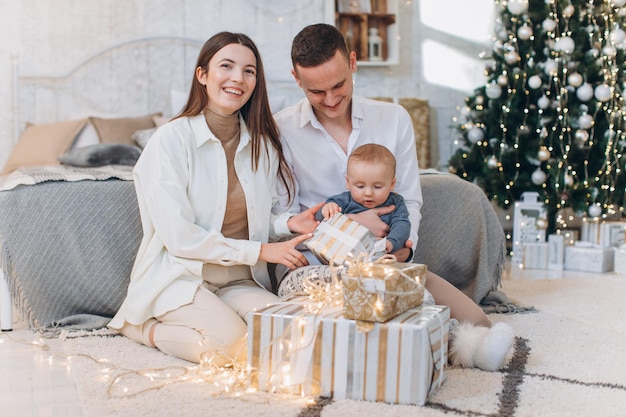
x: 338, y: 236
x: 294, y: 349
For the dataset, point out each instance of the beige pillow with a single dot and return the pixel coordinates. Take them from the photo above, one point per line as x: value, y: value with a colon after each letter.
x: 43, y: 144
x: 160, y: 120
x: 121, y: 130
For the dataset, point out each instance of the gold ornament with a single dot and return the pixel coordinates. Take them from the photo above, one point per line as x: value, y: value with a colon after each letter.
x: 543, y: 154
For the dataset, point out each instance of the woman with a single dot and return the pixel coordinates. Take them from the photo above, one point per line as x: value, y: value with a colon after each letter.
x: 205, y: 185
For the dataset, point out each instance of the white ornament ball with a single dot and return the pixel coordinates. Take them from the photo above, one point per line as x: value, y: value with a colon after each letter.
x: 584, y: 92
x: 618, y: 3
x: 565, y: 44
x: 502, y: 80
x: 543, y: 154
x: 538, y: 177
x: 475, y: 134
x: 479, y: 100
x: 609, y: 51
x: 581, y: 136
x: 602, y: 92
x: 492, y: 162
x: 534, y: 82
x: 524, y: 32
x: 568, y: 11
x: 593, y: 52
x: 493, y: 91
x: 568, y: 179
x: 617, y: 36
x: 543, y: 102
x: 575, y: 79
x: 595, y: 210
x: 511, y: 57
x: 465, y: 111
x: 585, y: 121
x: 548, y: 25
x: 551, y: 67
x: 517, y: 7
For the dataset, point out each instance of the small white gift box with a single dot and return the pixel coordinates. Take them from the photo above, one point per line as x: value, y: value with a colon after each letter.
x: 604, y: 233
x: 556, y: 252
x: 620, y: 260
x: 586, y: 257
x: 535, y: 255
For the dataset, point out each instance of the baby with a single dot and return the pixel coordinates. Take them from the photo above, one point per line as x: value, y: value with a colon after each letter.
x: 370, y: 180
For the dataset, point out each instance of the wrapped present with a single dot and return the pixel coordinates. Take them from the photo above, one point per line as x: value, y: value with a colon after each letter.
x: 297, y: 349
x: 586, y: 257
x: 604, y: 233
x: 619, y: 261
x: 556, y: 252
x: 535, y: 255
x: 374, y: 291
x: 339, y: 236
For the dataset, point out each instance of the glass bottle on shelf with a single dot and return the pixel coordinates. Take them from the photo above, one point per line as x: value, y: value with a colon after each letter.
x: 374, y: 45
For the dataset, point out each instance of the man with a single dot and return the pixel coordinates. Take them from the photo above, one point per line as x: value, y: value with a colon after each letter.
x: 319, y: 132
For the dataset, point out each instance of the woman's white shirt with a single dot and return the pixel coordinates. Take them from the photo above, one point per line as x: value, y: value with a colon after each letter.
x: 181, y: 182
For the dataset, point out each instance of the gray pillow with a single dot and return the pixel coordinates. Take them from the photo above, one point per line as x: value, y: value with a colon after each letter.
x: 102, y: 154
x: 141, y: 137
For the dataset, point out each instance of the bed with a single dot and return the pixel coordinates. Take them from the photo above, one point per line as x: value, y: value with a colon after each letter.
x: 69, y: 233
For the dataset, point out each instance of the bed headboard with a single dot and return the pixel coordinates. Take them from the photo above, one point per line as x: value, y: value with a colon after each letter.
x: 131, y: 78
x: 127, y: 79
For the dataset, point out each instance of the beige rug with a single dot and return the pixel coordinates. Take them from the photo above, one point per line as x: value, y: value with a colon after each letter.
x: 569, y: 360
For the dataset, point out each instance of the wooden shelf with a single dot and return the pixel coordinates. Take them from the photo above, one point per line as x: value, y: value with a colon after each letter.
x: 355, y: 25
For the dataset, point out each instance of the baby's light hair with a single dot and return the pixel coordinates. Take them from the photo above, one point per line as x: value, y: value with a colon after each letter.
x: 374, y: 153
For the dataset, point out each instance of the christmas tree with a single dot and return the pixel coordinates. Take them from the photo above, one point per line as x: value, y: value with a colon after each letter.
x: 550, y: 117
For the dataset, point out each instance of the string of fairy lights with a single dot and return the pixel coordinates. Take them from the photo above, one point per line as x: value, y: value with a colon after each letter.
x: 548, y: 109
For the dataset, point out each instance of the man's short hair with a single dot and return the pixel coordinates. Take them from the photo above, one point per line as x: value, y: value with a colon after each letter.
x: 317, y: 44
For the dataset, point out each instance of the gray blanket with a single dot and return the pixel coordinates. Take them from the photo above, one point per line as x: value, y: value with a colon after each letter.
x: 460, y: 236
x: 68, y: 249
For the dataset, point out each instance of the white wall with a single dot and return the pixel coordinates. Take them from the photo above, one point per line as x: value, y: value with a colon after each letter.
x: 439, y: 46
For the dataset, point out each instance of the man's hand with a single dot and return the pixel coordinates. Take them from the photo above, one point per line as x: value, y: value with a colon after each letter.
x: 402, y: 255
x: 304, y: 222
x: 371, y: 219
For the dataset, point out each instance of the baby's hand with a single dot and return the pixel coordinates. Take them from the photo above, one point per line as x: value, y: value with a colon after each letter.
x: 330, y: 209
x: 389, y: 246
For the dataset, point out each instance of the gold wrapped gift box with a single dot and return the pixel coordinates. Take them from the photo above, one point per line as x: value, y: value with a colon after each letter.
x: 380, y: 291
x: 296, y: 349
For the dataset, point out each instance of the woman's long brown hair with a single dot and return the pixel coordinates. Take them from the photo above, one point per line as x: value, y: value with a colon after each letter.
x: 256, y: 112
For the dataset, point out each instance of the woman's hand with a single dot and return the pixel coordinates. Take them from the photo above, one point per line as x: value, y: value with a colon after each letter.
x: 285, y: 252
x: 304, y: 222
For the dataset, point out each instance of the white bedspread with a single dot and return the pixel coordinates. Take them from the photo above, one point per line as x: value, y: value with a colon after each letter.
x: 38, y: 174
